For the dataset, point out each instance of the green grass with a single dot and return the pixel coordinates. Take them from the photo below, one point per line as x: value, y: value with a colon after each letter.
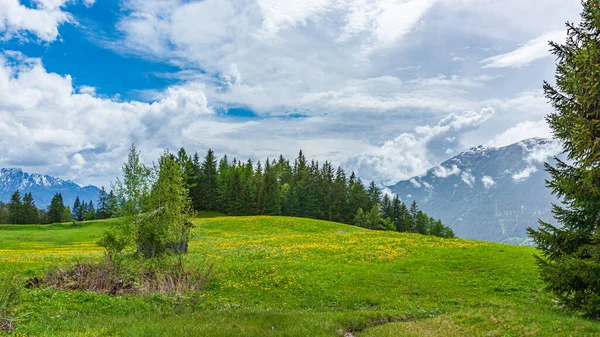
x: 277, y: 276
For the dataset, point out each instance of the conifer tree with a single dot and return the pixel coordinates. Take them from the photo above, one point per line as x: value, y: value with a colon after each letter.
x: 90, y: 212
x: 374, y: 194
x: 196, y: 187
x: 78, y: 210
x: 15, y: 209
x: 570, y: 253
x: 271, y: 191
x: 208, y: 182
x: 222, y: 182
x: 30, y: 212
x: 56, y: 209
x: 340, y: 196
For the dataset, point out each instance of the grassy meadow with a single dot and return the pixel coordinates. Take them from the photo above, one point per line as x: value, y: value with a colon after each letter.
x: 280, y: 276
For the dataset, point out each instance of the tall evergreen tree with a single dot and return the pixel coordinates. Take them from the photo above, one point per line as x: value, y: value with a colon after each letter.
x: 271, y: 191
x: 374, y: 194
x: 196, y: 188
x: 78, y: 210
x: 30, y: 212
x: 570, y: 254
x: 208, y: 183
x: 15, y: 209
x: 89, y: 211
x: 56, y: 209
x: 222, y: 182
x: 340, y: 196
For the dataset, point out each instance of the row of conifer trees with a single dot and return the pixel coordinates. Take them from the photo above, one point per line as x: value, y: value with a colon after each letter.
x: 300, y: 188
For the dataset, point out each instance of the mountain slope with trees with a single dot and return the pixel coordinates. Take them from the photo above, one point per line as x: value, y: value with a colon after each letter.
x: 42, y: 187
x: 487, y: 193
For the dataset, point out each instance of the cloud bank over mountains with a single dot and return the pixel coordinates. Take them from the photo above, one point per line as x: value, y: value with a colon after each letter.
x: 388, y: 88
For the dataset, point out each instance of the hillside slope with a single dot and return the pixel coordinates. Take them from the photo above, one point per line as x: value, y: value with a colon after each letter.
x: 43, y: 187
x: 280, y: 276
x: 487, y: 193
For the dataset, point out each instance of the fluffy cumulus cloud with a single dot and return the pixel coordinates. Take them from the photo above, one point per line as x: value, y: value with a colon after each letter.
x: 412, y: 153
x: 42, y: 20
x: 467, y: 178
x: 443, y: 172
x: 524, y: 174
x: 487, y: 182
x: 366, y: 84
x: 56, y: 127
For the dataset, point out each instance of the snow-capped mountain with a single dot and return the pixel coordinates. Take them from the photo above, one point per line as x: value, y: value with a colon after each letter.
x: 488, y: 193
x: 42, y: 187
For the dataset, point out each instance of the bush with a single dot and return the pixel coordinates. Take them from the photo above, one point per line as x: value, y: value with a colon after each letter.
x: 105, y: 278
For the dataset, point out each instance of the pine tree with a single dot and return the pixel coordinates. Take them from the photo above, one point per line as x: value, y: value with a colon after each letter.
x: 15, y: 209
x: 30, y: 212
x: 90, y: 212
x: 271, y: 191
x: 386, y: 208
x: 374, y: 194
x: 340, y: 196
x: 208, y: 183
x: 414, y: 213
x: 78, y: 210
x: 357, y: 195
x: 570, y: 254
x: 196, y: 188
x: 56, y: 209
x: 102, y: 204
x: 222, y: 181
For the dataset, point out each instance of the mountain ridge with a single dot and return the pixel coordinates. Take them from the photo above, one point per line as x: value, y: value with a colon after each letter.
x: 43, y: 187
x: 488, y: 193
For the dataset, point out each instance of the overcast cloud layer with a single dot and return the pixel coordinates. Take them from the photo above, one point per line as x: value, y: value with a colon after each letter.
x: 389, y: 88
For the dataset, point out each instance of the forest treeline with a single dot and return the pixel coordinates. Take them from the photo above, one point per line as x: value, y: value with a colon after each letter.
x: 301, y: 188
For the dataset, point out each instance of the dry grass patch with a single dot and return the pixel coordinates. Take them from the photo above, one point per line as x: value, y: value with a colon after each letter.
x: 108, y: 278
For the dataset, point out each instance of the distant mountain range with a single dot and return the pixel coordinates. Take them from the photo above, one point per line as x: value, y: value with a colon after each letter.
x: 43, y: 187
x: 488, y: 193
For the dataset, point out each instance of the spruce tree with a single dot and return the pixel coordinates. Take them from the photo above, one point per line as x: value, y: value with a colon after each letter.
x: 570, y: 253
x: 102, y: 204
x: 340, y: 196
x: 15, y: 209
x: 374, y: 194
x: 56, y: 209
x: 208, y: 182
x: 271, y: 191
x: 78, y: 210
x: 30, y: 212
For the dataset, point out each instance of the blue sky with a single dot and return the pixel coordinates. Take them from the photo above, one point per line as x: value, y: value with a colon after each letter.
x: 389, y: 88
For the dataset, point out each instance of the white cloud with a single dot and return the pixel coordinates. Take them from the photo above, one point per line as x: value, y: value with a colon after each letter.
x: 89, y: 3
x: 57, y: 127
x: 532, y: 50
x: 409, y: 154
x: 42, y: 21
x: 415, y: 183
x: 538, y: 151
x: 443, y: 172
x: 78, y: 161
x: 467, y: 178
x: 523, y: 130
x: 487, y: 182
x: 524, y: 174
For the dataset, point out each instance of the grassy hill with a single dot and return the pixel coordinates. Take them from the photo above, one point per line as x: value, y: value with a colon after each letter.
x: 277, y: 276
